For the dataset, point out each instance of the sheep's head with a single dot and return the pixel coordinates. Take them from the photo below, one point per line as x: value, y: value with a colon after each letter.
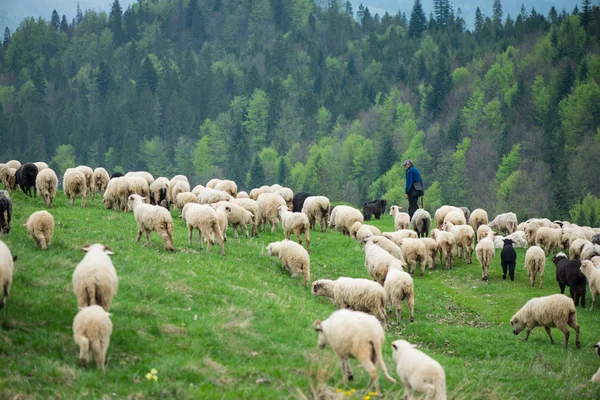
x: 517, y: 324
x: 87, y: 247
x: 597, y: 348
x: 508, y: 242
x: 318, y: 326
x: 272, y: 249
x: 282, y: 208
x: 322, y: 287
x: 4, y: 223
x: 558, y: 257
x: 399, y: 346
x: 586, y: 267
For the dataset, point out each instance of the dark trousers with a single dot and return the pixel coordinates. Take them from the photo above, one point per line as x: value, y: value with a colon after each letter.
x: 412, y: 205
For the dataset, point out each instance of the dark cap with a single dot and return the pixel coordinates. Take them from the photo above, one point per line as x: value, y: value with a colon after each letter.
x: 407, y: 162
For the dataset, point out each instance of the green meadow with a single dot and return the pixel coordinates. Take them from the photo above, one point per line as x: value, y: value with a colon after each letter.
x: 239, y: 327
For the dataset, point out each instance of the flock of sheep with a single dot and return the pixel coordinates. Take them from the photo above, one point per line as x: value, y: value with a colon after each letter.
x: 357, y: 330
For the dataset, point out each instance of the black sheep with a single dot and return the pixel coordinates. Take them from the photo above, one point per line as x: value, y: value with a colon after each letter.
x: 116, y: 175
x: 5, y: 212
x: 568, y: 274
x: 298, y: 200
x: 374, y: 208
x: 26, y: 175
x: 508, y: 259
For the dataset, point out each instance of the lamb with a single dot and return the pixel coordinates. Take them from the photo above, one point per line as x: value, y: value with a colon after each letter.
x: 365, y: 231
x: 296, y: 223
x: 593, y: 276
x: 397, y: 236
x: 88, y: 173
x: 535, y: 258
x: 432, y: 249
x: 446, y: 245
x: 47, y: 183
x: 249, y: 205
x: 386, y: 244
x: 548, y: 238
x: 25, y: 176
x: 482, y: 231
x: 204, y: 218
x: 440, y: 214
x: 14, y: 164
x: 507, y: 223
x: 159, y: 190
x: 378, y: 261
x: 421, y: 222
x: 343, y: 217
x: 478, y: 217
x: 142, y: 174
x: 589, y: 251
x: 40, y: 227
x: 288, y: 196
x: 151, y: 218
x: 293, y: 256
x: 508, y: 259
x: 316, y: 209
x: 414, y: 251
x: 95, y: 280
x: 357, y: 335
x: 457, y: 217
x: 298, y: 200
x: 268, y: 207
x: 568, y: 274
x: 374, y: 208
x: 554, y: 311
x: 210, y: 196
x: 401, y: 220
x: 183, y: 198
x: 533, y: 225
x: 463, y: 238
x: 91, y: 331
x: 238, y: 216
x: 5, y: 212
x: 228, y: 187
x: 398, y: 286
x: 6, y: 271
x: 212, y: 183
x: 353, y: 294
x: 5, y: 176
x: 418, y: 372
x: 100, y: 181
x: 485, y: 251
x: 74, y: 184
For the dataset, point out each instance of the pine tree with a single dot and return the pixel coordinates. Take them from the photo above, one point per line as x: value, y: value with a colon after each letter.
x: 478, y: 21
x: 441, y: 10
x: 64, y: 24
x: 349, y: 9
x: 282, y: 172
x: 148, y: 76
x: 55, y: 20
x: 418, y: 20
x: 257, y: 173
x: 6, y: 41
x: 79, y: 15
x: 586, y: 13
x: 497, y: 15
x: 189, y: 14
x: 115, y: 23
x: 103, y: 79
x: 388, y: 155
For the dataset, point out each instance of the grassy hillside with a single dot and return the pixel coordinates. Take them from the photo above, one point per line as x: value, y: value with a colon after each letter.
x: 240, y: 327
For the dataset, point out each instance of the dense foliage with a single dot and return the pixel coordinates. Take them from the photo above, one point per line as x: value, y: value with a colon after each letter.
x: 316, y: 97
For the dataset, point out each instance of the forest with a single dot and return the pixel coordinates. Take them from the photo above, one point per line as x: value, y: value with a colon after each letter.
x: 319, y: 97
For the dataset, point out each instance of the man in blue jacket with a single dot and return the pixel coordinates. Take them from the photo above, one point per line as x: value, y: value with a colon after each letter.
x: 414, y: 186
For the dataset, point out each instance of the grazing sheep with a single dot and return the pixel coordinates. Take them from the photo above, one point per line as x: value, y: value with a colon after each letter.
x: 549, y: 239
x: 183, y: 198
x: 477, y: 218
x: 91, y: 331
x: 457, y: 217
x: 210, y: 196
x: 570, y: 234
x: 100, y: 181
x: 482, y: 231
x: 518, y: 238
x: 172, y: 182
x: 238, y: 216
x: 268, y: 208
x: 576, y: 247
x: 178, y: 187
x: 485, y: 251
x: 212, y: 183
x: 596, y: 238
x: 421, y: 222
x: 414, y: 251
x: 463, y: 238
x: 535, y: 258
x: 506, y: 223
x: 298, y: 200
x: 533, y: 225
x: 446, y: 245
x: 365, y: 231
x: 357, y: 335
x: 589, y: 251
x: 354, y: 294
x: 397, y: 236
x: 242, y: 195
x: 204, y: 218
x: 554, y: 311
x: 5, y: 212
x: 568, y: 274
x: 14, y: 164
x: 343, y: 217
x: 25, y: 176
x: 74, y: 184
x: 116, y: 174
x: 222, y: 219
x: 418, y: 372
x: 228, y: 187
x: 288, y: 196
x: 12, y: 179
x: 197, y: 189
x: 5, y: 176
x: 440, y: 214
x: 386, y: 244
x: 508, y: 259
x: 401, y: 220
x: 254, y: 193
x: 378, y: 261
x: 593, y: 276
x: 40, y: 227
x: 374, y: 208
x: 249, y: 205
x: 6, y: 271
x: 47, y: 183
x: 275, y: 187
x: 159, y: 190
x: 432, y: 249
x: 151, y: 218
x: 316, y: 209
x: 398, y: 286
x: 88, y: 173
x: 293, y: 256
x: 147, y: 176
x: 95, y: 280
x: 295, y: 223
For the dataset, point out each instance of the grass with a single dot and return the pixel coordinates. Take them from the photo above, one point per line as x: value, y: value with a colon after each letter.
x: 240, y: 327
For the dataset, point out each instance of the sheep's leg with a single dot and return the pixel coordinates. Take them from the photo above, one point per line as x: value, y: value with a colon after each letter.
x: 200, y: 237
x: 398, y: 307
x: 147, y: 234
x: 246, y: 230
x: 411, y: 306
x: 573, y: 323
x: 83, y: 201
x: 84, y: 350
x: 364, y: 357
x: 99, y: 352
x: 550, y: 334
x: 139, y: 235
x: 528, y: 333
x: 581, y: 295
x: 190, y: 234
x: 470, y: 252
x: 41, y: 241
x: 346, y: 373
x: 541, y: 279
x: 594, y: 295
x: 562, y: 288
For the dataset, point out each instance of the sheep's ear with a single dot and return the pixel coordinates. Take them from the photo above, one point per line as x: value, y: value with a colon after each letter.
x: 394, y: 346
x: 108, y: 250
x: 15, y: 258
x: 317, y: 326
x: 86, y: 247
x: 316, y: 287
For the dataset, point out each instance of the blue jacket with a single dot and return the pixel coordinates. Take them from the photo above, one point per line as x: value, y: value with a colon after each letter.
x: 412, y: 175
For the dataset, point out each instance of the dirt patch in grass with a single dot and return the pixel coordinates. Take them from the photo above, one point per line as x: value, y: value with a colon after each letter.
x: 170, y: 329
x: 456, y: 315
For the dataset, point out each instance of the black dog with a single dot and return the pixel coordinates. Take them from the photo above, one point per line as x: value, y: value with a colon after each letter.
x: 374, y: 208
x: 508, y: 259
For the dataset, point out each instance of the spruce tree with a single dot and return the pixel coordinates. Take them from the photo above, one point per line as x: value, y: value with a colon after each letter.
x: 189, y: 14
x: 55, y: 20
x: 478, y: 21
x: 418, y: 21
x: 282, y: 172
x: 103, y: 79
x: 64, y: 25
x: 257, y: 173
x: 497, y: 11
x: 586, y: 13
x: 115, y: 23
x: 6, y: 37
x: 79, y: 15
x: 148, y: 76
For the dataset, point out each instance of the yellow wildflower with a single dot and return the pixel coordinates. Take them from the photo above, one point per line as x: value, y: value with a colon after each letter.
x: 340, y: 390
x: 153, y: 371
x: 155, y: 378
x: 353, y: 390
x: 367, y: 397
x: 149, y: 376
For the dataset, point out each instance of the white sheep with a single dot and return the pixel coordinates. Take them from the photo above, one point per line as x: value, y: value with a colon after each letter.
x: 316, y: 209
x: 159, y: 190
x: 183, y: 198
x: 365, y: 231
x: 463, y: 239
x: 268, y: 207
x: 5, y: 176
x: 397, y: 236
x: 596, y: 261
x: 14, y: 164
x: 95, y: 280
x: 554, y: 311
x: 354, y: 294
x: 40, y: 227
x: 519, y: 239
x: 385, y: 244
x: 288, y: 196
x: 446, y: 245
x: 12, y: 179
x: 418, y: 372
x: 212, y: 183
x: 507, y: 223
x: 457, y: 217
x: 238, y: 216
x: 343, y: 217
x: 357, y: 335
x: 398, y: 286
x: 74, y: 184
x: 100, y: 179
x: 111, y: 195
x: 589, y: 250
x: 204, y: 218
x: 88, y: 173
x: 485, y: 251
x: 535, y: 258
x: 421, y: 222
x: 432, y: 250
x: 242, y: 195
x: 593, y: 276
x: 414, y: 251
x: 197, y: 189
x: 378, y: 261
x: 440, y: 214
x: 275, y: 187
x: 147, y: 176
x: 550, y: 239
x: 91, y: 331
x: 293, y: 256
x: 482, y: 231
x: 401, y: 219
x: 249, y: 205
x: 576, y: 247
x: 478, y: 217
x: 228, y: 187
x: 6, y: 271
x: 40, y: 165
x: 533, y: 225
x: 179, y: 187
x: 295, y: 223
x: 151, y: 218
x: 571, y: 233
x: 47, y: 182
x: 172, y: 183
x: 210, y: 196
